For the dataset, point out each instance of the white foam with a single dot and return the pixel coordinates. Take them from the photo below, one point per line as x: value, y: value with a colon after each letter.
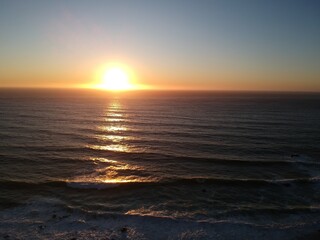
x: 50, y: 219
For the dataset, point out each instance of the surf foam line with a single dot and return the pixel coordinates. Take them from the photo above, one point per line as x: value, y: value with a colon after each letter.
x: 50, y: 219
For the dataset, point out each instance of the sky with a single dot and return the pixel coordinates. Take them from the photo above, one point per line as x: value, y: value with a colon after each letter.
x: 168, y: 44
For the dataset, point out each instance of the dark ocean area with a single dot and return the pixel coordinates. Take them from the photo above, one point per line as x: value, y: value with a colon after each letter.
x: 159, y: 165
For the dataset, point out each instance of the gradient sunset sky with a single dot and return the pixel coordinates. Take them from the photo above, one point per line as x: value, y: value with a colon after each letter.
x: 176, y: 44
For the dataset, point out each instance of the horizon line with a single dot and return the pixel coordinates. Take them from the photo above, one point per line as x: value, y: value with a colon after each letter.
x: 160, y: 90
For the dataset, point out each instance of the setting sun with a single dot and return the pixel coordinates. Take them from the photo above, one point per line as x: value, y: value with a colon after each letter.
x: 116, y: 79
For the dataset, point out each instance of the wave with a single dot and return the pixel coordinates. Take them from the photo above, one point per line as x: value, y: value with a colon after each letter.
x: 84, y: 185
x: 191, y: 181
x: 91, y: 185
x: 140, y: 155
x: 51, y: 218
x: 244, y: 181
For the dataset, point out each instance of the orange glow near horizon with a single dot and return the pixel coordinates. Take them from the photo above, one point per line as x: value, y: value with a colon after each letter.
x: 114, y: 77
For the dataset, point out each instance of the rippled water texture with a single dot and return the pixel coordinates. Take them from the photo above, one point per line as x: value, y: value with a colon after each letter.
x: 205, y: 156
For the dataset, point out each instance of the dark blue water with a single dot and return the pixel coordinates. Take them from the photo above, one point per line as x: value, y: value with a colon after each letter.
x: 196, y: 156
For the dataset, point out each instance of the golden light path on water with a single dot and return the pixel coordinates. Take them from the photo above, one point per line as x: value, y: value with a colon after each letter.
x: 112, y: 128
x: 113, y: 138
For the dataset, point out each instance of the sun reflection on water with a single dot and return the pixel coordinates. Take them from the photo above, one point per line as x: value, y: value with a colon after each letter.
x: 101, y: 159
x: 113, y: 128
x: 114, y: 120
x: 111, y: 147
x: 113, y: 138
x: 115, y: 105
x: 113, y: 172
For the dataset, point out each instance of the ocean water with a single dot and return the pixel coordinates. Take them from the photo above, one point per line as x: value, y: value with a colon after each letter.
x: 159, y: 165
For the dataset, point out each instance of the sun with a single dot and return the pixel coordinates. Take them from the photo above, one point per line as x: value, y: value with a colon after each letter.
x: 116, y: 79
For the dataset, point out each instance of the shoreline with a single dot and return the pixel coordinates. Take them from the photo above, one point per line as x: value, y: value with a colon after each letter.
x: 47, y: 219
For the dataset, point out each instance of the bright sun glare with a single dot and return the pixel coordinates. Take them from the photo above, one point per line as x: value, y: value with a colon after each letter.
x: 116, y: 79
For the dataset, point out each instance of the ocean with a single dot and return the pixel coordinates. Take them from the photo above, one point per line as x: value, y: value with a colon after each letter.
x: 78, y: 164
